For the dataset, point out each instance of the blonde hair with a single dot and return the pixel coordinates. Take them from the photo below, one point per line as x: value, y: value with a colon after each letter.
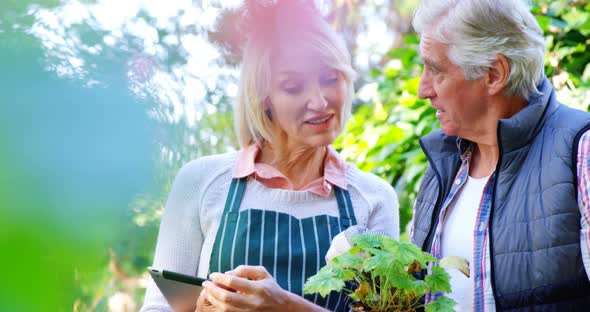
x: 252, y: 124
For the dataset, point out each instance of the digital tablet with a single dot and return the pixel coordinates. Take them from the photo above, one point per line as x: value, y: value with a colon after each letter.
x: 180, y: 290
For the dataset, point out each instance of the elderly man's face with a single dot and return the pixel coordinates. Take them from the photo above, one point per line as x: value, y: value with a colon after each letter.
x: 459, y: 103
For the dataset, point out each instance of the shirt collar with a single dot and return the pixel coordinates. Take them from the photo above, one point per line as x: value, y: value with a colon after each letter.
x: 334, y: 167
x: 465, y: 148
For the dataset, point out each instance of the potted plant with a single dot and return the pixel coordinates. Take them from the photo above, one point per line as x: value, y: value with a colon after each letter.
x: 381, y: 271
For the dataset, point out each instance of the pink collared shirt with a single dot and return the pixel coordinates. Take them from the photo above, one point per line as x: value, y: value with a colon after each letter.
x: 334, y: 172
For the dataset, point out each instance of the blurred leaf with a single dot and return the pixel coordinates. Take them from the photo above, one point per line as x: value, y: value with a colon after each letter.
x: 457, y: 263
x: 411, y: 40
x: 323, y: 283
x: 443, y: 304
x: 586, y: 74
x: 575, y: 18
x: 438, y: 280
x: 544, y: 22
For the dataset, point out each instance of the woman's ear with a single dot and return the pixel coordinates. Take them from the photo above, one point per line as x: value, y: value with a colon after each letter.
x: 497, y: 75
x: 267, y: 108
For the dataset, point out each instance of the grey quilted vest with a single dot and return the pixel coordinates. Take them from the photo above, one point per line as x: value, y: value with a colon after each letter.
x: 535, y: 220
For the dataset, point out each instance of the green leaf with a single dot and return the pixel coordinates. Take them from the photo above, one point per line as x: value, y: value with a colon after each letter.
x: 405, y: 55
x: 367, y: 241
x: 345, y: 274
x: 556, y: 8
x: 347, y: 260
x: 575, y: 18
x: 543, y: 22
x: 585, y: 28
x: 391, y: 245
x: 438, y: 280
x: 411, y: 40
x: 420, y: 288
x: 406, y: 253
x: 412, y: 85
x: 586, y: 74
x: 354, y: 250
x: 378, y: 262
x: 323, y: 283
x: 569, y: 50
x: 375, y: 73
x: 401, y: 282
x: 428, y: 257
x: 443, y: 304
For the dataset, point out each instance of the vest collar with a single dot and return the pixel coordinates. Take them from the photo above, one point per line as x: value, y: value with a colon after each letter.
x: 518, y: 130
x: 437, y: 145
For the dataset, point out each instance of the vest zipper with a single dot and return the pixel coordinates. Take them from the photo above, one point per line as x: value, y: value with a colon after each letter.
x: 428, y: 240
x: 491, y: 219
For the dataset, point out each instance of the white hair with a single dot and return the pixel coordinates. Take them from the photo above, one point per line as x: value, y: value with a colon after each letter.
x: 252, y: 124
x: 478, y: 30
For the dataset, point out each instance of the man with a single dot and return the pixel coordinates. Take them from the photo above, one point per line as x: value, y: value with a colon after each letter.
x: 507, y: 181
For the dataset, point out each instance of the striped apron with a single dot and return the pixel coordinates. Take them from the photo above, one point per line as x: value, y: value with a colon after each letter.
x: 290, y: 249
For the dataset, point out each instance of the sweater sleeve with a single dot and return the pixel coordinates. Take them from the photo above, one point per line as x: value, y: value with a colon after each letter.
x: 180, y: 237
x: 384, y: 217
x: 383, y: 207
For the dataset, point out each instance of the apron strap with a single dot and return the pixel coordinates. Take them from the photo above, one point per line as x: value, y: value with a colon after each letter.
x: 232, y: 204
x: 347, y: 217
x: 234, y: 196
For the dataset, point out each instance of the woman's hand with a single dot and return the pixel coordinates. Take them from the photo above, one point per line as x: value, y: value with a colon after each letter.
x: 203, y: 305
x: 342, y: 242
x: 246, y: 288
x: 252, y: 288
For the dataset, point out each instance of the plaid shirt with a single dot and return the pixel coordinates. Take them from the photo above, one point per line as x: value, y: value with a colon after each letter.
x: 483, y: 295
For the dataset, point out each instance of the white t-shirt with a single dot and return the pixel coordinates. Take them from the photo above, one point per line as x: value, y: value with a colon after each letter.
x: 457, y: 238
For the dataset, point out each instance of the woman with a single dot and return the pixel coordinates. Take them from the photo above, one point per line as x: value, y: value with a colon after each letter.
x: 270, y: 211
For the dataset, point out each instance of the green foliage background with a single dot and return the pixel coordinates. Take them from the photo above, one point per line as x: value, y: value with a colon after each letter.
x: 85, y: 166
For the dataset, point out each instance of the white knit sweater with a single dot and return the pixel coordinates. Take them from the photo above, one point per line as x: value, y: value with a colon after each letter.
x: 195, y: 204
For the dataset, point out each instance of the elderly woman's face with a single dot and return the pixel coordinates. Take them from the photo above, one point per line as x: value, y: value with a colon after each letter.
x: 306, y: 99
